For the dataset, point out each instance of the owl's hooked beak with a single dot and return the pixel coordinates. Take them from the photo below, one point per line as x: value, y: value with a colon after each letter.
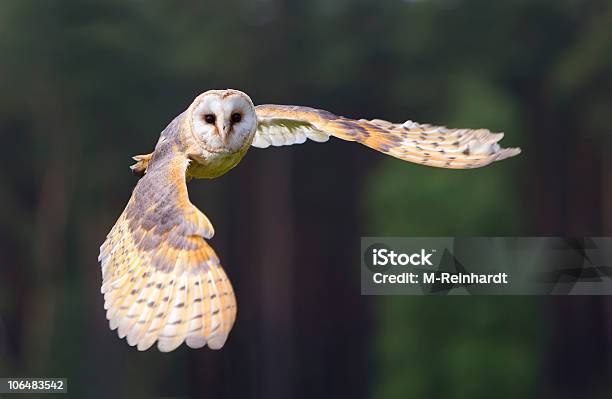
x: 224, y: 129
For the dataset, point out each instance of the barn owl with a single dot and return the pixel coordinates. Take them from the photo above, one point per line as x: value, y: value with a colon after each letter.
x: 161, y: 280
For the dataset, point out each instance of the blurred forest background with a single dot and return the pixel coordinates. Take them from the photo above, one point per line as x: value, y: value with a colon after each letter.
x: 84, y: 85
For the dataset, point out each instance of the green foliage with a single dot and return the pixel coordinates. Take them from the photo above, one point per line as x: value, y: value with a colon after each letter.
x: 457, y: 347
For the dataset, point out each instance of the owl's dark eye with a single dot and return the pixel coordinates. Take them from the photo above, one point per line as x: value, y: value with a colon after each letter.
x: 236, y: 117
x: 209, y: 118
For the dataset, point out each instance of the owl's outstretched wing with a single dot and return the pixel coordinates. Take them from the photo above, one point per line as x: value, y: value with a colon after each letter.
x: 437, y: 146
x: 161, y: 280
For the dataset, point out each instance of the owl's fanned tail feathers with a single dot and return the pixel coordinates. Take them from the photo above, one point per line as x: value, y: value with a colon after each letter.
x: 410, y: 141
x: 162, y: 282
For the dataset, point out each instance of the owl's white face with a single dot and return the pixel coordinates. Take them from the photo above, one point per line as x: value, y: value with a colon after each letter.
x: 223, y: 121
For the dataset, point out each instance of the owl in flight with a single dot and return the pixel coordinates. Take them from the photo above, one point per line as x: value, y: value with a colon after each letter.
x: 162, y: 282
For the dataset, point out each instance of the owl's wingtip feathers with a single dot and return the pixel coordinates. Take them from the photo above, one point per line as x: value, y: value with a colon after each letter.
x: 196, y: 309
x: 508, y: 153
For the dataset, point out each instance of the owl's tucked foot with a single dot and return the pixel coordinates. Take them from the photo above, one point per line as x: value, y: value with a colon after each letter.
x: 140, y: 167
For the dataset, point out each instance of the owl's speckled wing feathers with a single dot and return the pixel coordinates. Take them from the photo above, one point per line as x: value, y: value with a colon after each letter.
x: 410, y: 141
x: 161, y: 280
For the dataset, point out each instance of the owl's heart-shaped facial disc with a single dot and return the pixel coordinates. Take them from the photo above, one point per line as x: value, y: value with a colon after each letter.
x: 223, y: 121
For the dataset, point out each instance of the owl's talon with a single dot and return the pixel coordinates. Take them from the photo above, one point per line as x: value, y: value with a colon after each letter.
x: 140, y: 167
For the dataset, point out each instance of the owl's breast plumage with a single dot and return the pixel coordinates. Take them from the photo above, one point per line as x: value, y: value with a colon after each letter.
x: 214, y: 166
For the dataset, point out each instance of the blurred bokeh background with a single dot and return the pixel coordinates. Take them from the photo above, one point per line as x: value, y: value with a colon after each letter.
x: 84, y: 85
